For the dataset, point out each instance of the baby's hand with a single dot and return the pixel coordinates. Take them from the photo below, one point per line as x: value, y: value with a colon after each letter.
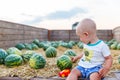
x: 103, y: 72
x: 74, y: 59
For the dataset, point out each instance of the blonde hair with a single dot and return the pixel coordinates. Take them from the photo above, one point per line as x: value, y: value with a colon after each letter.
x: 86, y: 25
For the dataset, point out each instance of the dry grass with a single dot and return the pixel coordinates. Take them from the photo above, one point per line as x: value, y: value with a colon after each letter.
x: 51, y: 69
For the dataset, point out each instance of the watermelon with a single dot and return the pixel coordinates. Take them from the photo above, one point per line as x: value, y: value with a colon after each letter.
x: 70, y: 46
x: 118, y: 46
x: 34, y: 46
x: 110, y: 42
x: 51, y: 52
x: 64, y: 62
x: 37, y: 61
x: 13, y: 50
x: 28, y: 46
x: 80, y: 45
x: 36, y: 41
x: 114, y: 45
x: 20, y: 46
x: 70, y: 53
x: 3, y: 55
x: 45, y: 46
x: 41, y: 44
x: 54, y: 44
x: 27, y: 55
x: 72, y: 42
x: 65, y: 44
x: 13, y: 60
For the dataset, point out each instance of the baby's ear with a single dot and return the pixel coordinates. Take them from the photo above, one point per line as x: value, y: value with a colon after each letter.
x: 86, y: 33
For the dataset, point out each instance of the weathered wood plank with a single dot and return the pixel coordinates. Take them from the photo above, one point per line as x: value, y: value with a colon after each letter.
x: 40, y: 78
x: 64, y: 79
x: 110, y: 78
x: 10, y: 78
x: 117, y: 74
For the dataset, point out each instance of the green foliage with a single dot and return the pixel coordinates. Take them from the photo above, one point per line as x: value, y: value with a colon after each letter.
x: 75, y: 25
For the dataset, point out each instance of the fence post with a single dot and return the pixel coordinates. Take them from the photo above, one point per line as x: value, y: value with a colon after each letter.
x: 49, y: 39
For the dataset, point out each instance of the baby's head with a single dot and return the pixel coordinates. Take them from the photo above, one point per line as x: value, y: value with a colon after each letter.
x: 86, y: 30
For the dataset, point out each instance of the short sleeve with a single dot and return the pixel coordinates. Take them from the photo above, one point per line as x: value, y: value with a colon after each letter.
x: 105, y: 50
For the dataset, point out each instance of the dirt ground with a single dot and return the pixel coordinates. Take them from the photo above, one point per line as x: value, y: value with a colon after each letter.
x: 50, y: 69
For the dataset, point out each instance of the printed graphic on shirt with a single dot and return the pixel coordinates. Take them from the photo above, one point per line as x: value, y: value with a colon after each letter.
x: 88, y: 54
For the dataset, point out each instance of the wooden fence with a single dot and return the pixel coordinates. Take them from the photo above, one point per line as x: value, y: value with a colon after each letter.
x: 68, y: 35
x: 13, y: 33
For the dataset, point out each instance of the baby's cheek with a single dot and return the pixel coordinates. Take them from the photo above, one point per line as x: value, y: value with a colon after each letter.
x: 81, y: 39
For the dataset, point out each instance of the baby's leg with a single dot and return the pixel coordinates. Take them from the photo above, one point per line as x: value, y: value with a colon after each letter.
x: 74, y: 74
x: 95, y: 76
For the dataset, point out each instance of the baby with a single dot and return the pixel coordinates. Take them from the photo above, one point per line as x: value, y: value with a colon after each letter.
x: 95, y: 60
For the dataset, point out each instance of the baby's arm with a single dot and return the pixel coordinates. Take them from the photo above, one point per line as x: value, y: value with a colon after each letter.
x: 77, y: 57
x: 106, y: 67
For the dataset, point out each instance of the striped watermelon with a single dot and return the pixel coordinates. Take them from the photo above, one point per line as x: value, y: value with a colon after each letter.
x: 51, y: 52
x: 72, y: 42
x: 28, y: 46
x: 13, y: 60
x: 3, y: 55
x: 20, y: 46
x: 14, y: 50
x: 37, y: 61
x: 70, y: 53
x: 27, y: 55
x: 36, y: 41
x: 34, y: 46
x: 65, y: 44
x: 80, y: 45
x: 64, y: 62
x: 54, y: 44
x: 118, y: 46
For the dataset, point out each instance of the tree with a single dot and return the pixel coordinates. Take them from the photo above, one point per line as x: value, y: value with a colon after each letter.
x: 74, y: 25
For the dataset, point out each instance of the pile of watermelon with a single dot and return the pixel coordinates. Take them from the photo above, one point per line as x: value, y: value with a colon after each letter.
x: 14, y: 56
x: 113, y: 44
x: 36, y: 44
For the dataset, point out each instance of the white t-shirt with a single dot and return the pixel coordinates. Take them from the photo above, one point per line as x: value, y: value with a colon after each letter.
x: 94, y: 54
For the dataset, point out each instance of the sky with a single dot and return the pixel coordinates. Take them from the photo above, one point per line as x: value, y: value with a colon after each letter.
x: 61, y: 14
